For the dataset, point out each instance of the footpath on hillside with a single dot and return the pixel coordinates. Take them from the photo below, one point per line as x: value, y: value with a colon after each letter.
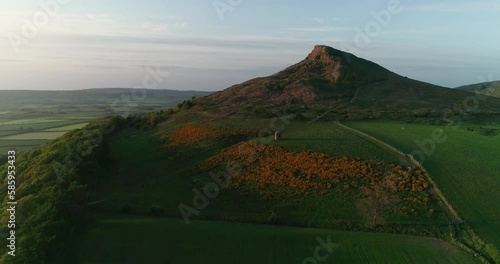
x: 412, y: 160
x: 466, y: 246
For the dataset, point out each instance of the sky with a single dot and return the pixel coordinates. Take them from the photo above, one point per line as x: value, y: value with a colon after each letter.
x: 212, y: 44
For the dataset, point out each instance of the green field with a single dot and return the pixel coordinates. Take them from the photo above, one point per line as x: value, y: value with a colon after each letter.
x: 30, y: 121
x: 147, y: 166
x: 331, y: 139
x: 159, y: 176
x: 142, y: 173
x: 324, y: 137
x: 19, y: 145
x: 30, y: 117
x: 465, y: 167
x: 24, y: 134
x: 35, y: 135
x: 66, y: 128
x: 168, y: 240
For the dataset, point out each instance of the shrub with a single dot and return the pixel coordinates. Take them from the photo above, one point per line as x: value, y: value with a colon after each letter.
x: 265, y: 170
x: 190, y: 134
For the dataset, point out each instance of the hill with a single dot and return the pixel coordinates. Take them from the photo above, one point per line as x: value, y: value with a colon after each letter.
x: 486, y: 88
x: 328, y: 78
x: 99, y: 97
x: 192, y: 170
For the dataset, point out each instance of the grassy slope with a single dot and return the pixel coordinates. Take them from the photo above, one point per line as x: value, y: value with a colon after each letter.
x: 142, y: 173
x: 489, y: 88
x: 465, y: 167
x: 324, y: 137
x: 130, y: 239
x: 328, y: 138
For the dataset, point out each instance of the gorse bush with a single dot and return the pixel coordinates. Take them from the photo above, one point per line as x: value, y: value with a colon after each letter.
x: 275, y: 174
x: 191, y: 134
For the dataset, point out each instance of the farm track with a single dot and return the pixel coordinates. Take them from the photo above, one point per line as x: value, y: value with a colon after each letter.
x: 412, y: 160
x: 435, y: 189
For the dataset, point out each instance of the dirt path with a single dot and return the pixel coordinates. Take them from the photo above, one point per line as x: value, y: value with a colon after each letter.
x: 436, y: 189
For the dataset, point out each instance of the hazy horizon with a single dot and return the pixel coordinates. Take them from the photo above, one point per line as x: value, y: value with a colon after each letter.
x: 211, y: 45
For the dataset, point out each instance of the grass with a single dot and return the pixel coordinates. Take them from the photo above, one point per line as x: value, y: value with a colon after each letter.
x: 154, y: 175
x: 18, y: 145
x: 129, y: 239
x: 23, y: 137
x: 465, y: 167
x: 331, y: 139
x: 35, y: 135
x: 39, y: 126
x: 66, y: 128
x: 140, y: 172
x: 31, y: 121
x: 324, y: 137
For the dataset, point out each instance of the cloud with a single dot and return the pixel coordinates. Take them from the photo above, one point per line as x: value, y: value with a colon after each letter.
x: 458, y: 7
x: 321, y: 20
x: 320, y: 29
x: 100, y: 50
x: 105, y: 25
x: 11, y: 60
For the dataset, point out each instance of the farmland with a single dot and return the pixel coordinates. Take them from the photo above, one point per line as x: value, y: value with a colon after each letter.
x: 465, y: 167
x: 160, y: 176
x: 170, y: 240
x: 31, y: 118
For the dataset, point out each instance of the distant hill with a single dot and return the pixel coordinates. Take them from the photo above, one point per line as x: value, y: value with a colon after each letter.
x: 31, y: 118
x: 101, y: 96
x: 328, y: 77
x: 486, y: 88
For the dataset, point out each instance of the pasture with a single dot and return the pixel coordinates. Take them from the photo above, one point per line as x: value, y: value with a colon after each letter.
x: 466, y: 166
x: 168, y: 240
x: 66, y: 128
x: 328, y: 138
x: 36, y: 135
x: 24, y: 134
x: 166, y: 177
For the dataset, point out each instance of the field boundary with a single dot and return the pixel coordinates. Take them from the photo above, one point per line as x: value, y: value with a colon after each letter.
x: 412, y: 160
x: 471, y: 249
